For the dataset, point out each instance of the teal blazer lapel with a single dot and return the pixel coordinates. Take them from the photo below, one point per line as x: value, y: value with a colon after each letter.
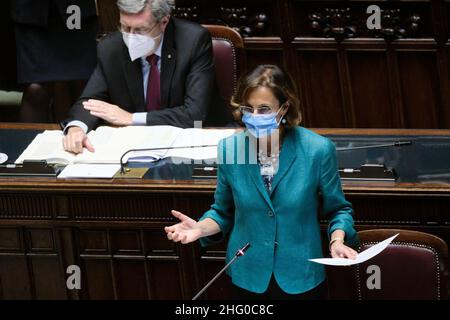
x: 288, y: 155
x: 253, y: 169
x: 254, y: 172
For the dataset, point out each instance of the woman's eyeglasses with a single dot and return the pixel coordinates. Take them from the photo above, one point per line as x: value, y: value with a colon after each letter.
x: 259, y: 110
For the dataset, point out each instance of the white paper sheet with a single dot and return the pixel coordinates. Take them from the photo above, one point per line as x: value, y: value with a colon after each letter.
x: 97, y: 171
x: 362, y: 257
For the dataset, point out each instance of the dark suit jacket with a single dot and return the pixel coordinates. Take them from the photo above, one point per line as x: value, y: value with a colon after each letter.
x: 188, y: 84
x: 36, y: 12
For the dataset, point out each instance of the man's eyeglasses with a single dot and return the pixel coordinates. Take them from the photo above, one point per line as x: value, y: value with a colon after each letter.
x: 141, y: 31
x: 259, y: 110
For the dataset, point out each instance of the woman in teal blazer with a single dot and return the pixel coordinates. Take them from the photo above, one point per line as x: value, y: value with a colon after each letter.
x: 273, y: 181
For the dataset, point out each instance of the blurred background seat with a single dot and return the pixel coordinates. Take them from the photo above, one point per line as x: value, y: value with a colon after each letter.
x: 229, y: 58
x: 413, y: 267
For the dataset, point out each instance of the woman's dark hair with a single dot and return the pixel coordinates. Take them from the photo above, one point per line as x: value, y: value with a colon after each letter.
x: 274, y: 78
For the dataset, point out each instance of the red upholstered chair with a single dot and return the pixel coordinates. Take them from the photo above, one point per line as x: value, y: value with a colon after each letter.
x: 229, y: 58
x: 414, y: 266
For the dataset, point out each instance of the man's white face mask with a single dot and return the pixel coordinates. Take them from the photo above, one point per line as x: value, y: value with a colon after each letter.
x: 139, y: 45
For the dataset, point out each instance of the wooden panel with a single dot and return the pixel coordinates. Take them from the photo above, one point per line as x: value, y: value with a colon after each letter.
x: 93, y: 241
x: 95, y: 258
x: 108, y: 15
x: 405, y: 210
x: 126, y: 242
x: 212, y: 260
x: 369, y: 82
x: 140, y: 207
x: 255, y: 18
x: 14, y: 277
x: 163, y: 257
x: 256, y: 57
x: 156, y: 243
x: 353, y: 14
x: 40, y: 240
x: 220, y: 288
x: 166, y: 279
x: 130, y: 278
x: 10, y: 240
x: 31, y: 206
x: 194, y: 204
x: 97, y: 278
x: 420, y: 89
x: 321, y: 89
x: 48, y: 279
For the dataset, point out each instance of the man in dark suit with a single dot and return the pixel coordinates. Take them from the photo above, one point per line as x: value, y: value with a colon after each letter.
x: 157, y: 71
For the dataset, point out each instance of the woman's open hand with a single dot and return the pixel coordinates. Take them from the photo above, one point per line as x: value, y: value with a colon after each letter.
x: 186, y: 231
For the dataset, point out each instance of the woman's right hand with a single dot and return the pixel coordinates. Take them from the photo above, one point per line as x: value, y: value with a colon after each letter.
x: 186, y: 231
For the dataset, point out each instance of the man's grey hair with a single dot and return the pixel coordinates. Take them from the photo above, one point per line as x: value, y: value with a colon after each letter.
x: 160, y: 8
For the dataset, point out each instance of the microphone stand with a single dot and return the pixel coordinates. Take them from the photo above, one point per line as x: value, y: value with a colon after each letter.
x: 393, y: 144
x: 368, y: 171
x: 122, y: 163
x: 238, y: 254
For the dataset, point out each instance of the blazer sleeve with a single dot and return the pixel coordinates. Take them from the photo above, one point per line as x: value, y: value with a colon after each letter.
x: 222, y: 211
x: 335, y: 206
x: 96, y: 88
x: 199, y: 89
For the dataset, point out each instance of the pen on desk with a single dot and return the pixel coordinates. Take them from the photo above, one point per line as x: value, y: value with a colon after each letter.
x: 349, y: 170
x: 11, y: 166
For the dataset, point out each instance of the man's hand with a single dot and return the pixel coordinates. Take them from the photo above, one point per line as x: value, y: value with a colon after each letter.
x: 109, y: 112
x: 75, y: 140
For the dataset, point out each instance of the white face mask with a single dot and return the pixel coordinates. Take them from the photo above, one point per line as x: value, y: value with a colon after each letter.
x: 139, y: 45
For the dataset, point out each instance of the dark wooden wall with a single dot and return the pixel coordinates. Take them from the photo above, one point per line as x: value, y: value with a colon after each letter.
x: 348, y: 76
x: 116, y: 236
x: 8, y: 78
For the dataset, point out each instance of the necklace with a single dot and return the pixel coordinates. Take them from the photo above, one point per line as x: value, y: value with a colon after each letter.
x: 268, y: 165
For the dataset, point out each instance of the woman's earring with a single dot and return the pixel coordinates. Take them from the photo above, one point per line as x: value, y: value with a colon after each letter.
x: 283, y: 121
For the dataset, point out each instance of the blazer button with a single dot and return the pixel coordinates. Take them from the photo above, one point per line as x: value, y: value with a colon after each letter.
x: 270, y: 213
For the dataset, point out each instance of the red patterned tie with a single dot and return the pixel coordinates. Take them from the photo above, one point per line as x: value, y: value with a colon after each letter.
x: 153, y: 87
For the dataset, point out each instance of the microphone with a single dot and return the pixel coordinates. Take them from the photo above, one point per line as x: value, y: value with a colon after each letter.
x: 371, y: 171
x: 238, y: 254
x: 122, y: 163
x: 393, y: 144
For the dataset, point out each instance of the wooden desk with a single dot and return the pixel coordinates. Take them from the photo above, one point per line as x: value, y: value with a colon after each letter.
x: 113, y: 230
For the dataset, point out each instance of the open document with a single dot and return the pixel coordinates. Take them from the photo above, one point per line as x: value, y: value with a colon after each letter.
x: 361, y: 257
x: 111, y: 143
